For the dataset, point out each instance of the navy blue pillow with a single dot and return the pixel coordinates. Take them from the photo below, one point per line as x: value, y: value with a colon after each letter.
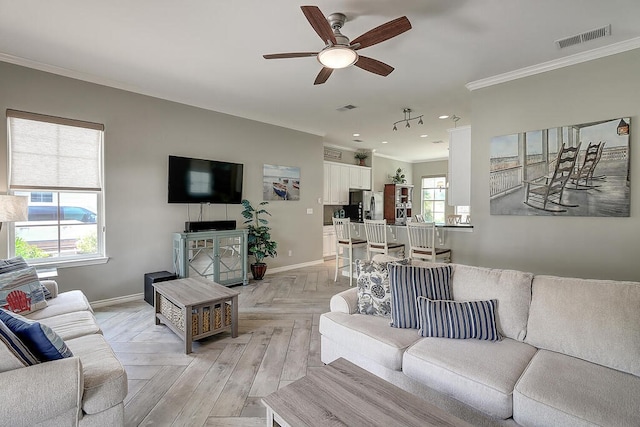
x: 40, y: 339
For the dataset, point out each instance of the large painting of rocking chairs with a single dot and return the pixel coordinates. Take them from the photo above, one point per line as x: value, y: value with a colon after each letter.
x: 577, y: 170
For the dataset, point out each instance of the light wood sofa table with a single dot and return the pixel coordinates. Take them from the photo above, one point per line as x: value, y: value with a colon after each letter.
x: 343, y: 394
x: 195, y: 308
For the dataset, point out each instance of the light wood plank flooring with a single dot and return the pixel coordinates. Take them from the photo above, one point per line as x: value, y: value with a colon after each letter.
x: 222, y: 381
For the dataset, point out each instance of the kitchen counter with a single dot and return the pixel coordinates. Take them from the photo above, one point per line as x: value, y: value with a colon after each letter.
x: 455, y: 227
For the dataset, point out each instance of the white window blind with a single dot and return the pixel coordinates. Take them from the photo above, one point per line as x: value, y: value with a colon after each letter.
x: 54, y: 153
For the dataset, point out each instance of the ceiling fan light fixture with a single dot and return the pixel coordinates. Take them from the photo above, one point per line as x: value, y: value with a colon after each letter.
x: 337, y: 57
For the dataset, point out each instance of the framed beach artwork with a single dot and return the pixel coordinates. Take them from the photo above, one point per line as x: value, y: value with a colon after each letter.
x: 577, y: 170
x: 281, y: 183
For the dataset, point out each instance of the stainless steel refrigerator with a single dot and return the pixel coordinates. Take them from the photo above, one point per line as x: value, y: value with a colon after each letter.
x: 372, y: 203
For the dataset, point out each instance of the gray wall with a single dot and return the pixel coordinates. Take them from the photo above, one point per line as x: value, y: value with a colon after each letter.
x: 568, y: 246
x: 383, y: 167
x: 140, y: 132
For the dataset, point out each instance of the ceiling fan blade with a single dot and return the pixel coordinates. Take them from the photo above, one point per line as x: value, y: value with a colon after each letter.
x: 319, y: 23
x: 289, y: 55
x: 374, y: 66
x: 383, y: 32
x: 323, y: 75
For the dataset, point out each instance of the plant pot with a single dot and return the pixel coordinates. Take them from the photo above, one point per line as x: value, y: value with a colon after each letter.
x: 361, y: 162
x: 258, y: 270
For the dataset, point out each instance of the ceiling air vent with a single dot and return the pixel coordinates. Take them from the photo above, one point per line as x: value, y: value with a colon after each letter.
x: 584, y: 37
x: 347, y: 107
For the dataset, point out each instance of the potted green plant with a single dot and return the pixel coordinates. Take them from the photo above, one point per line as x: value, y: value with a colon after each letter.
x: 361, y: 156
x: 259, y: 241
x: 399, y: 177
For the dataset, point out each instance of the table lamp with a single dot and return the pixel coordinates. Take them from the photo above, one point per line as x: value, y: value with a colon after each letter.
x: 13, y: 208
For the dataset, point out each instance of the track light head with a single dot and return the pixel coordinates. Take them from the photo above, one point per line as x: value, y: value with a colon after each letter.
x: 408, y: 125
x: 394, y: 127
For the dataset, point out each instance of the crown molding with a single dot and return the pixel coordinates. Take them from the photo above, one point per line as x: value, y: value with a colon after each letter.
x: 65, y: 72
x: 567, y: 61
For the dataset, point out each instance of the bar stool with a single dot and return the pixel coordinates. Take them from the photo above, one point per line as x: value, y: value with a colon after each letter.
x: 422, y: 243
x: 346, y: 242
x: 376, y: 231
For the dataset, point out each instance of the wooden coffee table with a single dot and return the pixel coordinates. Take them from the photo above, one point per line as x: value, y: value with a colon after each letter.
x: 343, y: 394
x: 195, y: 308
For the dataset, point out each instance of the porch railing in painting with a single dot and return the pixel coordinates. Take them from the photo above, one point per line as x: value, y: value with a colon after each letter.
x: 536, y: 170
x: 504, y: 180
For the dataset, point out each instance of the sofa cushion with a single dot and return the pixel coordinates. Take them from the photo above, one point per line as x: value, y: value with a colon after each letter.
x: 65, y: 302
x: 21, y: 291
x: 407, y: 283
x: 13, y: 353
x: 561, y: 390
x: 73, y: 325
x: 511, y: 288
x: 481, y: 374
x: 369, y: 336
x: 105, y: 380
x: 374, y: 296
x: 458, y: 319
x: 594, y: 320
x: 41, y: 340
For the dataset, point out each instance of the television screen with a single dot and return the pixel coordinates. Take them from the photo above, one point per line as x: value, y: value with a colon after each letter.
x: 204, y: 181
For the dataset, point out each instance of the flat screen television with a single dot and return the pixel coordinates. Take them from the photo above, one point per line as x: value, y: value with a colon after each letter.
x: 204, y: 181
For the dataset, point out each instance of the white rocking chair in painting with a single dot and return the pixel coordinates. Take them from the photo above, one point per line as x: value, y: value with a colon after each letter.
x: 549, y: 190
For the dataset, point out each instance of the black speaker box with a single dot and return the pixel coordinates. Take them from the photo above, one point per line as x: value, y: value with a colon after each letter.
x: 151, y: 278
x: 191, y: 226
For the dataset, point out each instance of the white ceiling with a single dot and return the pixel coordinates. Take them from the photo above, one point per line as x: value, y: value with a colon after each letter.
x: 208, y: 53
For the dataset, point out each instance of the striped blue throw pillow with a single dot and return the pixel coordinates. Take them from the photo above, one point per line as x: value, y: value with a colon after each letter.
x: 407, y: 283
x: 40, y: 339
x: 17, y: 347
x: 458, y: 319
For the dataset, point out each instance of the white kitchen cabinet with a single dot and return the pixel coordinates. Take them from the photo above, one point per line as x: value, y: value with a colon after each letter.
x: 365, y: 178
x: 360, y: 177
x: 339, y: 178
x: 343, y: 189
x: 460, y: 166
x: 328, y: 241
x: 337, y: 183
x: 327, y: 184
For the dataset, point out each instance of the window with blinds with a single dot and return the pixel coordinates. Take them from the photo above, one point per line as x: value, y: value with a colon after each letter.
x: 57, y: 163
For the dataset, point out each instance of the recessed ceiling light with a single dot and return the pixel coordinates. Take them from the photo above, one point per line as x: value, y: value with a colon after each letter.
x: 424, y: 136
x: 356, y: 134
x: 385, y: 142
x: 444, y: 116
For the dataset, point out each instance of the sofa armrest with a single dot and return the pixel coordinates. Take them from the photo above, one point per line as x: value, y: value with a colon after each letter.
x: 52, y: 285
x: 345, y: 301
x: 37, y: 393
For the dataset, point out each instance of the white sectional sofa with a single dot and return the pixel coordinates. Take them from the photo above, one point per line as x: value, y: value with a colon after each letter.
x: 570, y: 353
x: 87, y: 389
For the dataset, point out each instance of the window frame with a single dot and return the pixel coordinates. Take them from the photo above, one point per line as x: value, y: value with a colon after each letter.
x: 423, y: 200
x: 100, y: 257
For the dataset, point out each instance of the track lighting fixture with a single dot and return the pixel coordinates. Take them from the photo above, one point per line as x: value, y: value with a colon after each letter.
x: 407, y: 119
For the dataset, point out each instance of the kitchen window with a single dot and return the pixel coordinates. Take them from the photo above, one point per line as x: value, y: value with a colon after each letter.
x: 434, y: 198
x: 58, y: 164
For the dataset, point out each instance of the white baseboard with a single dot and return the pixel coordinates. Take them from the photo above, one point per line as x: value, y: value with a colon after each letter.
x: 294, y: 266
x: 117, y: 300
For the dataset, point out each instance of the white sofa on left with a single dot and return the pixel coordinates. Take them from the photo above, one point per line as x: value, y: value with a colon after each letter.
x: 87, y: 389
x: 570, y: 353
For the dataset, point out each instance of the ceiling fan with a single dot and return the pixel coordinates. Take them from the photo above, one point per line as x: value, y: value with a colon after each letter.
x: 339, y: 52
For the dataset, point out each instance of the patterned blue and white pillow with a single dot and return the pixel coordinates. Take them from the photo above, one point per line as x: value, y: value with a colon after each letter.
x: 374, y: 297
x: 40, y: 339
x: 17, y: 347
x: 458, y: 319
x: 407, y: 283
